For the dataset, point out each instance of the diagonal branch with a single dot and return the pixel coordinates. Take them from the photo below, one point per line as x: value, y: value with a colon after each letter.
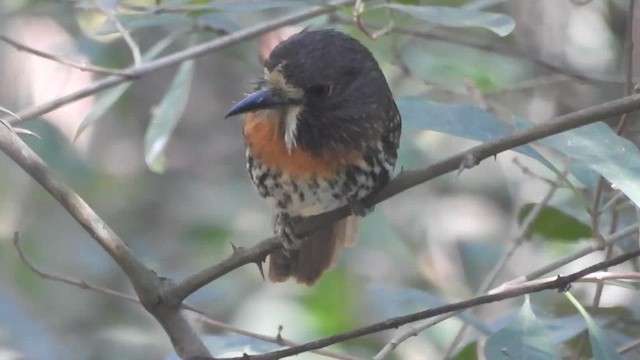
x: 83, y: 67
x: 163, y: 299
x: 408, y: 179
x: 147, y: 285
x: 561, y: 283
x: 491, y: 277
x: 190, y: 53
x: 66, y: 280
x: 202, y: 316
x: 126, y: 35
x: 491, y: 47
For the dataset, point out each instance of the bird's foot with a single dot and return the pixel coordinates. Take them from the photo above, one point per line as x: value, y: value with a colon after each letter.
x: 284, y: 230
x: 358, y: 208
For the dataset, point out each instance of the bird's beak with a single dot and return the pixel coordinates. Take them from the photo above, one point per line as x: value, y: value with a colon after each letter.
x: 263, y: 99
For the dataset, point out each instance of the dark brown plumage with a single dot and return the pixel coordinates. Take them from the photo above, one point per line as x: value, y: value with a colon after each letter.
x: 322, y: 131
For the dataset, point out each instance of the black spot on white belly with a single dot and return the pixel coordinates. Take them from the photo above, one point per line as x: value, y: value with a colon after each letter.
x: 315, y: 195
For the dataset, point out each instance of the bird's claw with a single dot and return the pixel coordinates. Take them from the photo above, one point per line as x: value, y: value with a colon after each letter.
x: 469, y: 160
x: 284, y: 230
x: 358, y: 208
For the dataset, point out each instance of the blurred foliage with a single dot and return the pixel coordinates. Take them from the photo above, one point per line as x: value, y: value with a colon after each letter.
x: 156, y: 159
x: 523, y: 338
x: 554, y: 224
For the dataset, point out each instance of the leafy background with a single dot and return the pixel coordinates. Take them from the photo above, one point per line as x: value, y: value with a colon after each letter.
x: 158, y: 161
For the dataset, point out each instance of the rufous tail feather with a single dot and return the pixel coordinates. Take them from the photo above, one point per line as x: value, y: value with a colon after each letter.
x: 316, y: 254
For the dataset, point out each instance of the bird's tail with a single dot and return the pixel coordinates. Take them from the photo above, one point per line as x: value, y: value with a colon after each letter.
x: 316, y: 254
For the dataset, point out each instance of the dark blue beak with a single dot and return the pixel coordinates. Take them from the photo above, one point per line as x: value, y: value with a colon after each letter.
x: 263, y: 99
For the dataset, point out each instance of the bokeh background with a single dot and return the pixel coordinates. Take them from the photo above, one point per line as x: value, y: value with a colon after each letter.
x: 432, y: 244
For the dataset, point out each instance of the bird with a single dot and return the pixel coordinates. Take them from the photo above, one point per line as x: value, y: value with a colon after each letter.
x: 321, y: 131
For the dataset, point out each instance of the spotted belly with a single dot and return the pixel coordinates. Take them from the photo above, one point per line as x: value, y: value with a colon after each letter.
x: 316, y: 194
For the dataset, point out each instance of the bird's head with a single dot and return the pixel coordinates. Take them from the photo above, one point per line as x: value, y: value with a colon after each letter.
x: 323, y: 84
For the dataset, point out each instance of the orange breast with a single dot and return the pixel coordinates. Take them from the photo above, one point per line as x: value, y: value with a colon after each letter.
x: 265, y: 140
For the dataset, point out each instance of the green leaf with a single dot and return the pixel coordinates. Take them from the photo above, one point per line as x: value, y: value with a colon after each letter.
x: 480, y: 4
x: 600, y: 344
x: 500, y: 24
x: 332, y: 302
x: 559, y: 329
x: 602, y: 150
x: 109, y: 97
x: 469, y: 122
x: 469, y: 352
x: 252, y: 5
x: 166, y: 116
x: 58, y: 153
x: 525, y: 339
x: 563, y: 328
x: 219, y: 20
x: 553, y: 223
x: 137, y: 21
x: 208, y: 233
x: 466, y: 121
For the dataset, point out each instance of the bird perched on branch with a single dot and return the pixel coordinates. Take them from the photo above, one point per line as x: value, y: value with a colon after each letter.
x: 321, y: 132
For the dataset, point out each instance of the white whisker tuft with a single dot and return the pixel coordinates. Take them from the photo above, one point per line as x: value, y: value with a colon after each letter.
x: 291, y: 126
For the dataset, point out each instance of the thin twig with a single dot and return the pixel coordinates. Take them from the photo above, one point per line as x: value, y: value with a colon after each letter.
x: 150, y: 288
x: 202, y: 316
x: 147, y: 285
x: 515, y: 245
x: 596, y: 277
x: 477, y: 96
x: 66, y: 280
x: 358, y: 9
x: 593, y: 247
x: 635, y: 344
x: 126, y: 35
x: 83, y: 67
x: 528, y: 172
x: 618, y: 198
x: 400, y: 62
x: 413, y: 331
x: 180, y: 56
x: 493, y: 47
x: 560, y: 283
x: 614, y: 238
x: 170, y: 293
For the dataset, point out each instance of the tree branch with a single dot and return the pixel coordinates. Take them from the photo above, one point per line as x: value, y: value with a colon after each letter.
x: 163, y: 299
x: 491, y: 47
x: 406, y: 180
x: 560, y: 283
x: 83, y: 67
x: 147, y: 285
x: 202, y: 316
x: 490, y: 278
x: 82, y: 284
x: 190, y: 53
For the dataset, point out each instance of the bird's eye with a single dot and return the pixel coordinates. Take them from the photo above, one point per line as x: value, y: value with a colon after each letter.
x: 319, y: 90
